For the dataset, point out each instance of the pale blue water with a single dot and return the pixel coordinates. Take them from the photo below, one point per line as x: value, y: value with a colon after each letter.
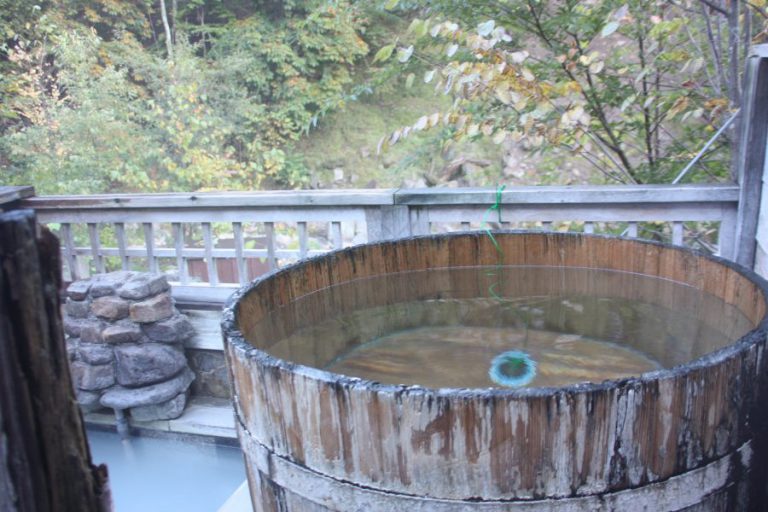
x: 161, y: 475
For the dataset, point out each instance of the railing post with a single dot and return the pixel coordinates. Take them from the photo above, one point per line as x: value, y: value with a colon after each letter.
x: 753, y: 135
x: 387, y: 222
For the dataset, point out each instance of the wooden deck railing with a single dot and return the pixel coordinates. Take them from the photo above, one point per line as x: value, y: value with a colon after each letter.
x: 213, y: 242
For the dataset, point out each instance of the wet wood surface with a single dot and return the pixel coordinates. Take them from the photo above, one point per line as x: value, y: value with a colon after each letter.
x: 482, y: 445
x: 45, y: 463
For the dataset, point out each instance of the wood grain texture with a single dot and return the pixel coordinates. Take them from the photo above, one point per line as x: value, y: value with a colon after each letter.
x: 489, y: 445
x: 44, y: 461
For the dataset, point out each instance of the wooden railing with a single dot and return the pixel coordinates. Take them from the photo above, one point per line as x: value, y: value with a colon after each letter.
x: 214, y: 242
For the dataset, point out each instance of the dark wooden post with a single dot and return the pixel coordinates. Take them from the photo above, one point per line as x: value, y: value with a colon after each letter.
x: 45, y: 462
x: 753, y: 136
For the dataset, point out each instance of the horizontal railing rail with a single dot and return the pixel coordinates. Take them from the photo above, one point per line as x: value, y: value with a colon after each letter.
x: 214, y: 242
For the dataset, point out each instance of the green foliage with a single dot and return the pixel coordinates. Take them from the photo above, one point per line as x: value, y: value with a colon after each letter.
x: 89, y: 111
x: 623, y: 84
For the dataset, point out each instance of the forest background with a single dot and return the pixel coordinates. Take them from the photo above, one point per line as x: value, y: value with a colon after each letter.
x: 186, y: 95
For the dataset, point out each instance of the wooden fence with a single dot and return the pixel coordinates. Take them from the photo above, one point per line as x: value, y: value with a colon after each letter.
x: 253, y: 232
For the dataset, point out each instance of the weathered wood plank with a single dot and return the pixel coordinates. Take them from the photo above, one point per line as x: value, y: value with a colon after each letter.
x: 178, y: 244
x: 10, y: 196
x: 203, y: 294
x: 504, y: 445
x: 197, y: 252
x: 335, y: 235
x: 585, y: 194
x: 121, y: 245
x: 242, y: 272
x: 213, y: 273
x: 193, y: 216
x: 677, y: 233
x: 45, y: 464
x: 95, y: 239
x: 602, y: 213
x: 69, y: 251
x: 303, y: 241
x: 149, y: 243
x: 751, y: 153
x: 217, y: 200
x: 269, y: 231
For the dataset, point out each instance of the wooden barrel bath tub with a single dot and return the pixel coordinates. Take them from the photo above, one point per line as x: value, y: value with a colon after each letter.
x: 689, y: 436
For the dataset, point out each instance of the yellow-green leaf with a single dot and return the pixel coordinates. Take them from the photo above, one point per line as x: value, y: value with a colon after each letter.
x: 391, y: 4
x: 384, y: 53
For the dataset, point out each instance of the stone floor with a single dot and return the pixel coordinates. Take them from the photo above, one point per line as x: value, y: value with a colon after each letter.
x: 211, y: 417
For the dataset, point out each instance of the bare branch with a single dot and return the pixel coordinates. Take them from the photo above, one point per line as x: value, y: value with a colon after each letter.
x: 714, y: 7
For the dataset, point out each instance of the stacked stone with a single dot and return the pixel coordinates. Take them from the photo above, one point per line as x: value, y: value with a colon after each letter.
x: 125, y: 345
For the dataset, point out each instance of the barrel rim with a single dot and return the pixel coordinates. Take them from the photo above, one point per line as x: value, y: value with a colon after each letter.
x: 233, y: 336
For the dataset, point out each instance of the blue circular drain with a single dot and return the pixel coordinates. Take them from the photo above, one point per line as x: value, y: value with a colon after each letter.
x: 512, y: 369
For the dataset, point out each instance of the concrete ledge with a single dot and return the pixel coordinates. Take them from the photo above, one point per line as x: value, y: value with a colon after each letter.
x: 203, y: 416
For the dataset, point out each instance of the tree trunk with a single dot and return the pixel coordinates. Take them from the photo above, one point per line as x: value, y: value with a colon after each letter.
x: 167, y: 28
x: 45, y: 462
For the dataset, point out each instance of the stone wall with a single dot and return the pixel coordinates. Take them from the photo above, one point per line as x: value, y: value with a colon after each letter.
x: 125, y: 344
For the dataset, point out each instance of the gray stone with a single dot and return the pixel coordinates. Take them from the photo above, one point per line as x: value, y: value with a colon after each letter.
x: 176, y: 328
x: 153, y: 309
x: 169, y: 410
x: 110, y: 307
x: 141, y: 286
x: 92, y: 377
x: 77, y: 308
x: 211, y: 374
x: 96, y: 354
x: 125, y: 398
x: 123, y: 332
x: 107, y: 284
x: 148, y: 363
x: 79, y: 289
x: 88, y: 400
x: 72, y: 348
x: 72, y: 326
x: 90, y: 331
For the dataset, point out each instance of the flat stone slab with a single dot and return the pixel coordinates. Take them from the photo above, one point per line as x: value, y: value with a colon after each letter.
x: 169, y: 410
x: 77, y: 308
x: 141, y: 286
x: 95, y: 353
x: 147, y: 363
x: 203, y: 416
x: 92, y: 377
x: 125, y: 398
x: 90, y: 331
x: 107, y: 284
x: 122, y: 333
x: 110, y: 307
x: 156, y: 308
x: 79, y: 289
x: 171, y: 330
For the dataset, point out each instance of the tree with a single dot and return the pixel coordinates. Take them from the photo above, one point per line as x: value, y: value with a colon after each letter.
x: 207, y: 106
x: 633, y: 87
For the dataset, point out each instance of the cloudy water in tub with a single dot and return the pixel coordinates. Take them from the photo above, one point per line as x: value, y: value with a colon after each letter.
x: 446, y: 327
x: 167, y: 475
